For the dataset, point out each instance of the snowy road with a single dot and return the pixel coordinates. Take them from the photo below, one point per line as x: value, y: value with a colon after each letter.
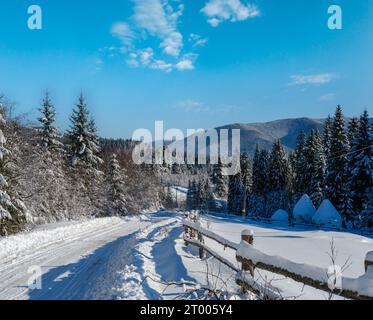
x: 70, y: 265
x: 112, y: 258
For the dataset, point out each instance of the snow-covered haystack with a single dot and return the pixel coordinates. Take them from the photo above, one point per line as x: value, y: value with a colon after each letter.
x: 327, y: 215
x: 280, y: 216
x: 304, y: 210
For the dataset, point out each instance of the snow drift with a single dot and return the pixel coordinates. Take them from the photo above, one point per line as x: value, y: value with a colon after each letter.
x: 304, y: 210
x: 280, y: 216
x: 327, y: 215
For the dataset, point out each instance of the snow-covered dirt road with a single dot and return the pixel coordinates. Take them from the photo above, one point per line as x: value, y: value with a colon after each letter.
x: 145, y: 258
x: 71, y: 257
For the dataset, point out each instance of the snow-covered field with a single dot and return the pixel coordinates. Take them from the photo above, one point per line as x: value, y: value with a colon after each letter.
x: 115, y: 258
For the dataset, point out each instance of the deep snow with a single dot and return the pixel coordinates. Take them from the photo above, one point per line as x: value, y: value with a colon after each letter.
x: 116, y: 258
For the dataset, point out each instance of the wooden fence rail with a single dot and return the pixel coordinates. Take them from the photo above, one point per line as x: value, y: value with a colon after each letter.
x: 250, y: 258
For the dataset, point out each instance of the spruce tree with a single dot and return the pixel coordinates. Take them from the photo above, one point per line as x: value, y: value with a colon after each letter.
x: 257, y: 200
x: 336, y: 177
x: 327, y: 135
x: 353, y: 129
x: 84, y: 149
x: 246, y: 179
x: 278, y: 168
x: 361, y: 169
x: 279, y: 179
x: 260, y: 172
x: 50, y: 139
x: 117, y: 202
x: 300, y: 165
x: 219, y: 180
x: 315, y: 168
x: 84, y: 142
x: 13, y: 213
x: 235, y: 194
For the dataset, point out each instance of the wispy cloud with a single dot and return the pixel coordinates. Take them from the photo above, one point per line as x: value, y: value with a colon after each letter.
x: 192, y: 106
x: 123, y: 32
x: 197, y: 40
x: 151, y: 37
x: 327, y: 97
x: 218, y: 11
x: 312, y: 79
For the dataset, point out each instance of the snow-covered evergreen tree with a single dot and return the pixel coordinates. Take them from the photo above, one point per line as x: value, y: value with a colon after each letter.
x: 336, y: 177
x: 235, y: 194
x: 278, y: 179
x: 117, y: 202
x: 315, y: 168
x: 353, y: 129
x: 219, y: 180
x: 260, y: 172
x: 360, y: 169
x: 84, y: 149
x: 13, y: 213
x: 246, y: 178
x: 257, y: 199
x: 83, y: 136
x: 327, y: 134
x: 278, y: 168
x: 50, y: 139
x: 299, y: 167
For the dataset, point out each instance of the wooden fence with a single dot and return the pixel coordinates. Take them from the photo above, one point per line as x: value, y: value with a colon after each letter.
x: 249, y: 259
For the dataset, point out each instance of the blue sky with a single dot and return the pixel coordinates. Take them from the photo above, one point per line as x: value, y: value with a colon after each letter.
x: 191, y: 63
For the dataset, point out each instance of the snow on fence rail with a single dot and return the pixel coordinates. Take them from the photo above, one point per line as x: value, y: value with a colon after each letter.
x: 251, y: 258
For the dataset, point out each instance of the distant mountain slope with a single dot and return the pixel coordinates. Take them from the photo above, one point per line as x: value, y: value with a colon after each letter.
x: 264, y: 134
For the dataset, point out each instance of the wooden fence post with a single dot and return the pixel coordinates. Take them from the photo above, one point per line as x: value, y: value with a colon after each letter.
x: 248, y: 237
x: 368, y: 260
x: 201, y: 249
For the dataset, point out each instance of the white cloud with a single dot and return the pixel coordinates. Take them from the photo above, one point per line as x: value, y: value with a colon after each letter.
x: 197, y: 40
x: 185, y: 64
x: 123, y: 32
x: 151, y: 38
x: 192, y: 106
x: 159, y: 19
x: 314, y: 79
x: 327, y: 97
x: 218, y: 11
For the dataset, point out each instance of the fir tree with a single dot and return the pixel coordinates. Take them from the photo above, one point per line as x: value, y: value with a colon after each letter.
x: 246, y: 178
x: 300, y: 165
x: 279, y: 179
x: 219, y: 180
x: 278, y: 168
x: 192, y: 196
x: 336, y: 177
x: 257, y: 199
x: 83, y: 136
x: 50, y: 139
x: 361, y: 168
x: 315, y: 168
x: 327, y: 135
x: 235, y: 194
x: 353, y: 129
x: 13, y: 213
x: 260, y: 172
x: 116, y: 195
